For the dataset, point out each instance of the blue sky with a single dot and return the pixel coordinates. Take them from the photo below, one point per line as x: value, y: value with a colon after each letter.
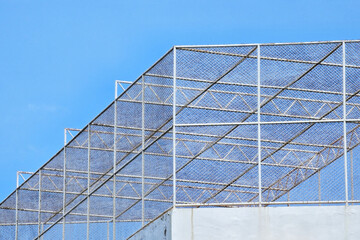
x: 59, y: 59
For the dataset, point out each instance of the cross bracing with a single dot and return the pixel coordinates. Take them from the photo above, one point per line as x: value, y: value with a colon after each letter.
x: 237, y: 125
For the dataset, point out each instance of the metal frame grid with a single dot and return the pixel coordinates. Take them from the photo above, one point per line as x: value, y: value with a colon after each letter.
x: 205, y: 126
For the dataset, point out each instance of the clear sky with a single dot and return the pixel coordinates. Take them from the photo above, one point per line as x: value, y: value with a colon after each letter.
x: 59, y: 59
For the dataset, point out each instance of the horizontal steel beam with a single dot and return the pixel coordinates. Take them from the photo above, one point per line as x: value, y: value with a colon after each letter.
x: 264, y: 44
x: 189, y: 133
x: 298, y: 89
x: 285, y: 203
x: 267, y: 58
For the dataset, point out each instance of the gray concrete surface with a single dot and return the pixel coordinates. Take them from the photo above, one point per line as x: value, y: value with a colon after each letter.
x: 270, y: 223
x: 160, y: 229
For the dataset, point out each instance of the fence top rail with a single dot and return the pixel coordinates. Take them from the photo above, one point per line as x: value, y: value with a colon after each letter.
x: 265, y: 44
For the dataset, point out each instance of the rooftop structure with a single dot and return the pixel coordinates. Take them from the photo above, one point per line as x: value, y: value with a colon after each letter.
x: 206, y: 126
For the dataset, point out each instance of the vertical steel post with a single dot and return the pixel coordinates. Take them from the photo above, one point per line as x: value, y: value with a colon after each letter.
x: 352, y: 175
x: 288, y: 198
x: 114, y: 162
x: 39, y: 203
x: 344, y: 123
x: 88, y: 187
x: 258, y: 123
x: 142, y: 150
x: 64, y: 187
x: 319, y: 187
x: 17, y: 206
x: 108, y: 230
x: 42, y: 229
x: 174, y: 128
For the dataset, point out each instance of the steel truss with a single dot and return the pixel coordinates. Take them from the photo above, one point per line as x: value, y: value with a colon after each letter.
x: 227, y: 125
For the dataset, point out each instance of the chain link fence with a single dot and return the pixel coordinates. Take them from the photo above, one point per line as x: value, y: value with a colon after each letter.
x: 205, y: 126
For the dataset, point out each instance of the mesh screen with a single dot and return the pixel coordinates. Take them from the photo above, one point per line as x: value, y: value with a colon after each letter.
x: 118, y: 173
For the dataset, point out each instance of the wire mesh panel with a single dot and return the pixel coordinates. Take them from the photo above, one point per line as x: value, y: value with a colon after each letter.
x: 241, y: 125
x: 53, y: 232
x: 353, y: 166
x: 27, y: 204
x: 128, y: 198
x: 52, y: 192
x: 157, y: 192
x: 216, y: 84
x: 352, y: 73
x: 289, y: 90
x: 294, y: 169
x: 158, y: 178
x: 8, y: 219
x: 217, y: 164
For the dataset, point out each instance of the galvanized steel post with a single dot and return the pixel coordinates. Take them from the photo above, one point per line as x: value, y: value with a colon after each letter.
x: 114, y: 162
x: 174, y: 128
x: 64, y: 186
x: 88, y: 186
x: 142, y: 150
x: 258, y: 122
x: 344, y: 122
x: 39, y: 203
x: 17, y: 207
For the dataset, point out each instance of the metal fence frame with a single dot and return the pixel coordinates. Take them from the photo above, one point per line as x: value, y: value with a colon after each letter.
x: 144, y: 185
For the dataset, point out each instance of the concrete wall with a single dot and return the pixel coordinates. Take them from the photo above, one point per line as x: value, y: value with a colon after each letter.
x: 160, y: 229
x: 280, y: 223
